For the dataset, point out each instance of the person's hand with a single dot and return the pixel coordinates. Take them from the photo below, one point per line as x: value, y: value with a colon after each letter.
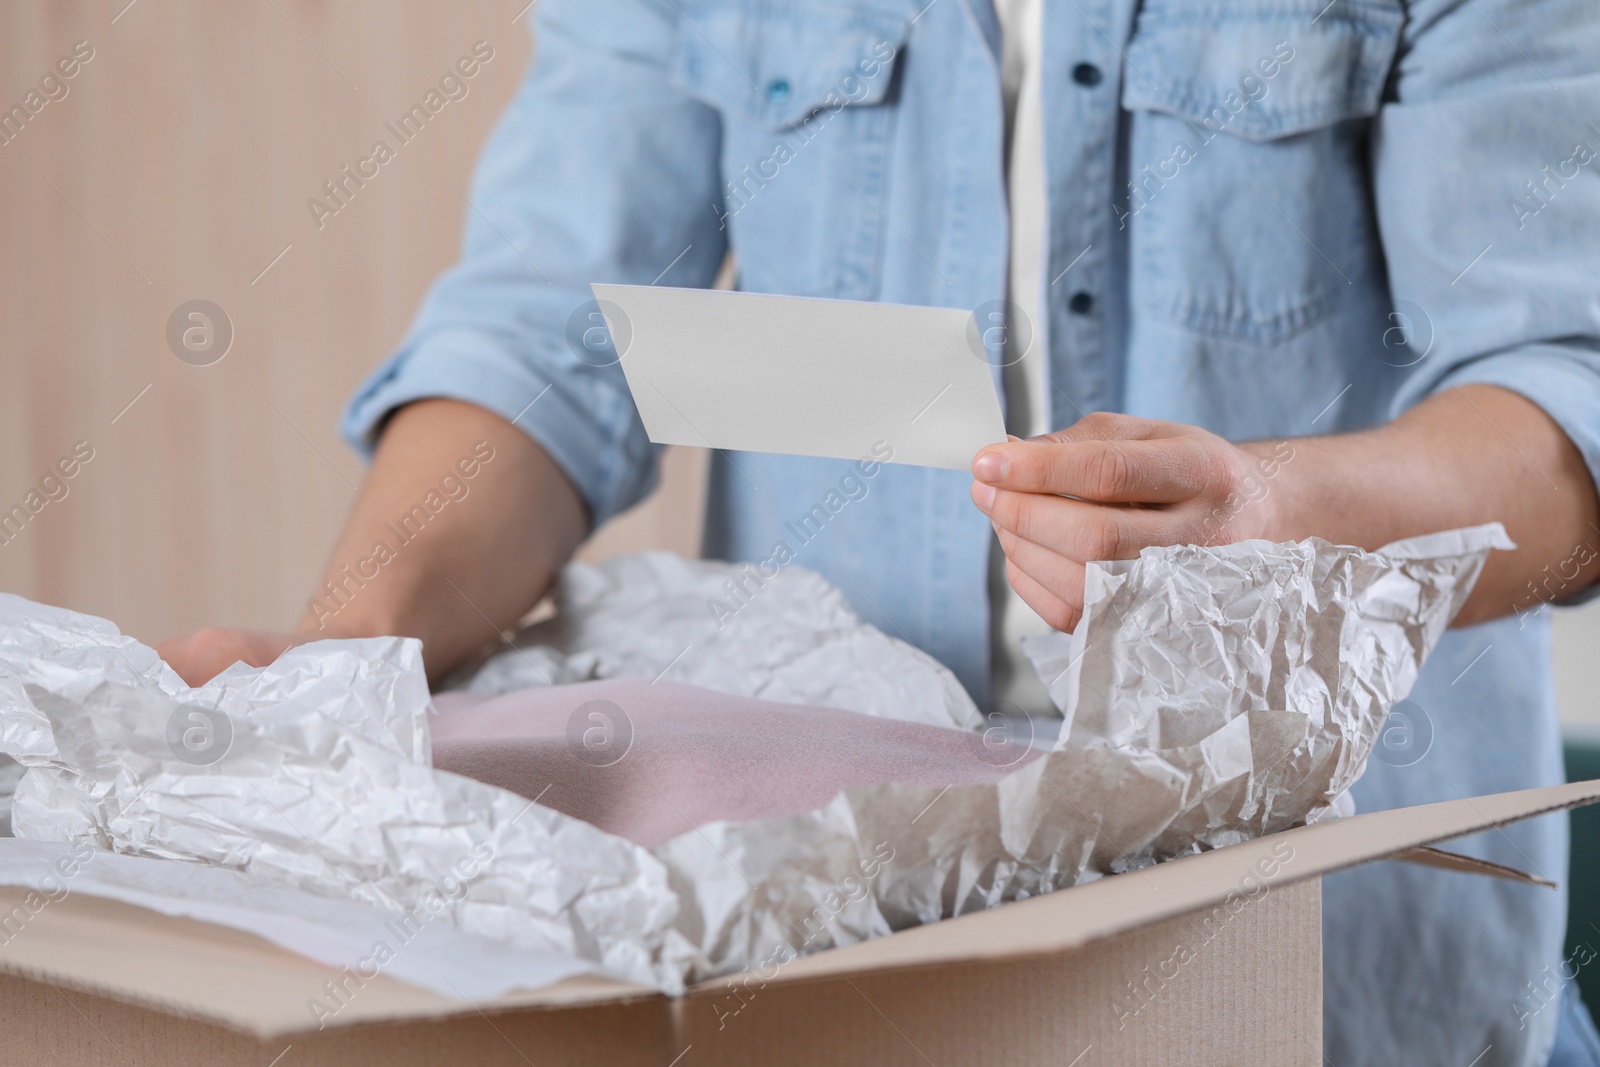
x: 202, y: 655
x: 1109, y: 486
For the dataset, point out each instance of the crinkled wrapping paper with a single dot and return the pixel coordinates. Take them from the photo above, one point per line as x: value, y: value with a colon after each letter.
x: 326, y: 787
x: 788, y: 637
x: 1211, y: 694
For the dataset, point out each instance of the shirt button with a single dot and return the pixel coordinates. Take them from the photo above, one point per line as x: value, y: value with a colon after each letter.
x: 778, y: 90
x: 1086, y: 74
x: 1080, y: 303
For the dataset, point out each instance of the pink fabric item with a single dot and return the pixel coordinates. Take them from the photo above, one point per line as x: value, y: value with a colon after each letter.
x: 695, y: 756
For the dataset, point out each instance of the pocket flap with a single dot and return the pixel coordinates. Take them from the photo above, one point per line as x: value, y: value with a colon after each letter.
x: 782, y: 65
x: 1262, y: 70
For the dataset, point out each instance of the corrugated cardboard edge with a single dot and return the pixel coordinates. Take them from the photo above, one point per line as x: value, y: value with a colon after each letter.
x: 1044, y: 925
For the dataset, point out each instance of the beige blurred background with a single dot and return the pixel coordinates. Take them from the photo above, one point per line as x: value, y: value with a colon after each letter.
x: 177, y: 167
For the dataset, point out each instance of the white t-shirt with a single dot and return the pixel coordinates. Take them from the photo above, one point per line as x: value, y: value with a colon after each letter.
x: 1027, y: 401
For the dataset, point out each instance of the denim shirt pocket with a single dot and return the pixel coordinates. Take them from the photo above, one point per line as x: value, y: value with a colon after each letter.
x: 1247, y: 190
x: 804, y: 95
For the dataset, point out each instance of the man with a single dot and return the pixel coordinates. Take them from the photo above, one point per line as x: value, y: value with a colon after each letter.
x: 1250, y: 221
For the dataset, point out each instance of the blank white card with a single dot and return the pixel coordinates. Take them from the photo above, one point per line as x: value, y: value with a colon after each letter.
x: 803, y: 376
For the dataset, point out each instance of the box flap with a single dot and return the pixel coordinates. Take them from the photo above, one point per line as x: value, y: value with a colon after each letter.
x: 204, y: 971
x: 196, y: 969
x: 1428, y: 856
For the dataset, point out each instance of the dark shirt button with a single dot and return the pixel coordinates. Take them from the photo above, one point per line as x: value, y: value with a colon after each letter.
x: 1086, y: 74
x: 778, y: 90
x: 1080, y: 303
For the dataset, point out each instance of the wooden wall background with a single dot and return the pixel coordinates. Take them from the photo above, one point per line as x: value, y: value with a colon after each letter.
x: 178, y: 167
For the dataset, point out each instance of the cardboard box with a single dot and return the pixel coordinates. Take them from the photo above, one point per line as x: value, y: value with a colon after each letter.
x: 1210, y: 959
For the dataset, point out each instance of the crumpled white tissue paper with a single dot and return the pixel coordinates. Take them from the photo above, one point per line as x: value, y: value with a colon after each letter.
x: 790, y: 638
x: 1211, y: 694
x: 325, y: 786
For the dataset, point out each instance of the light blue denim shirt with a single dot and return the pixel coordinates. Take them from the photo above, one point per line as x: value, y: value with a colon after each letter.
x: 1267, y: 218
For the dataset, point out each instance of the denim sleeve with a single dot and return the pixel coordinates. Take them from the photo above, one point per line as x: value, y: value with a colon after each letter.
x: 1487, y: 181
x: 600, y: 171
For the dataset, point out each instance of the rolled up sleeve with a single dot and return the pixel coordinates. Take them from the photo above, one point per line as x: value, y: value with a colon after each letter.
x: 600, y: 171
x: 1487, y: 181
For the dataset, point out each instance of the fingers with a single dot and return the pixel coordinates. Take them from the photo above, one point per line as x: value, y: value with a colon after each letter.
x: 202, y: 655
x: 1058, y: 501
x: 1162, y: 471
x: 1047, y: 541
x: 1061, y: 576
x: 1074, y: 528
x: 1052, y: 609
x: 183, y: 658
